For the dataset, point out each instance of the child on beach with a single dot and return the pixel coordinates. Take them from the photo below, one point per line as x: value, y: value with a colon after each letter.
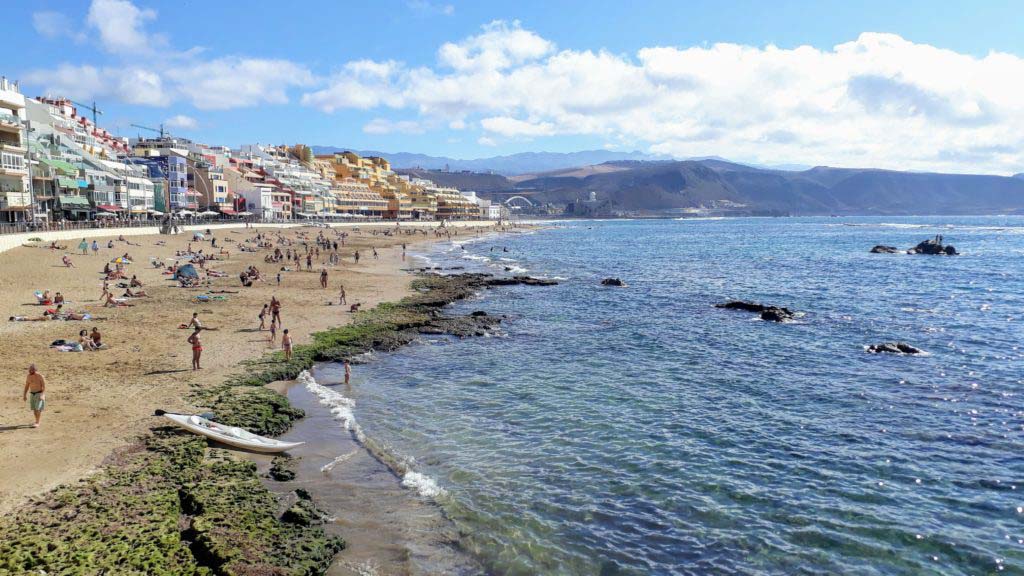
x: 286, y: 344
x: 263, y: 316
x: 341, y: 294
x: 35, y: 393
x: 273, y: 333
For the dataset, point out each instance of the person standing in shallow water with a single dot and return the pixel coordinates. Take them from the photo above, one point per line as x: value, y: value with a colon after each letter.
x: 35, y: 393
x: 348, y: 372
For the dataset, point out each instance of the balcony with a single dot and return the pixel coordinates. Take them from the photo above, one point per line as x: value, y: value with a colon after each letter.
x: 12, y: 148
x: 9, y: 122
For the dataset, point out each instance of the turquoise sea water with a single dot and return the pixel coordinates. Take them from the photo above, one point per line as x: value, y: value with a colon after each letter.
x: 640, y: 430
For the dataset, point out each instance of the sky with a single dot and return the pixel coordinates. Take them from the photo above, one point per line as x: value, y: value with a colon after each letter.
x: 907, y: 85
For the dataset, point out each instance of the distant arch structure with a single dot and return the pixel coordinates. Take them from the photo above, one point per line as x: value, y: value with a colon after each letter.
x: 521, y: 199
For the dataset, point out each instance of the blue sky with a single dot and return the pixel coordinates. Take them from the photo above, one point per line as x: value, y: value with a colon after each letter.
x: 908, y: 85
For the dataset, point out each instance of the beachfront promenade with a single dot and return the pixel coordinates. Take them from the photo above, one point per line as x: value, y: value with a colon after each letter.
x: 9, y: 241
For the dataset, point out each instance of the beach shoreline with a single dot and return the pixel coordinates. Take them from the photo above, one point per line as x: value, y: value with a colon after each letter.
x: 241, y: 400
x: 99, y: 401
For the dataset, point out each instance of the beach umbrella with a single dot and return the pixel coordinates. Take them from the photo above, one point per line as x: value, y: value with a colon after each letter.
x: 185, y: 213
x: 156, y: 213
x: 104, y: 215
x: 186, y: 271
x: 121, y: 260
x: 245, y: 213
x: 208, y: 213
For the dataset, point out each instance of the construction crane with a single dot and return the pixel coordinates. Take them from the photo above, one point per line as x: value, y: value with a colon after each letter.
x: 160, y: 131
x: 92, y: 109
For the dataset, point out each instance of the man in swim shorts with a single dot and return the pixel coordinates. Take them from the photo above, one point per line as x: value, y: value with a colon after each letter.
x: 35, y: 393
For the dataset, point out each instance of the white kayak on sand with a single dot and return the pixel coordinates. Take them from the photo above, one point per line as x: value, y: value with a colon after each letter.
x: 231, y: 435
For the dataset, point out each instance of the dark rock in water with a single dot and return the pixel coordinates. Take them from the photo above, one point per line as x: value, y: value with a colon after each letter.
x: 526, y: 280
x: 281, y: 469
x: 933, y: 246
x: 478, y: 313
x: 893, y: 348
x: 612, y: 282
x: 769, y: 313
x: 881, y: 249
x: 776, y: 314
x: 302, y: 494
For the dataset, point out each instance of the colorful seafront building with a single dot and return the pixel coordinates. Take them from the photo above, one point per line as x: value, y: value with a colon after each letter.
x: 58, y: 165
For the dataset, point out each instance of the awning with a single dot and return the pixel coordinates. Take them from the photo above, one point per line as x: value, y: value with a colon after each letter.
x: 227, y: 211
x: 69, y: 200
x: 61, y: 165
x: 65, y: 182
x: 109, y: 208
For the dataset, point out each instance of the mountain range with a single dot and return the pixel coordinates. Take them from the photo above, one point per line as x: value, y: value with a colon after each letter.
x: 672, y: 186
x: 510, y: 165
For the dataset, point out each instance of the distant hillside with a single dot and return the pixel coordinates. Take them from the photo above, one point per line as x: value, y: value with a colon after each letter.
x: 462, y: 180
x: 713, y: 183
x: 522, y: 163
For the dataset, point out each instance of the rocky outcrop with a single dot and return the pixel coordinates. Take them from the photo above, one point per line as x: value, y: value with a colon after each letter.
x: 882, y: 249
x: 613, y: 282
x: 768, y: 313
x: 933, y: 246
x: 893, y: 348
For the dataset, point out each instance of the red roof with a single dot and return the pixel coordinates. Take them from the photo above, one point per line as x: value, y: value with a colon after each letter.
x: 109, y: 208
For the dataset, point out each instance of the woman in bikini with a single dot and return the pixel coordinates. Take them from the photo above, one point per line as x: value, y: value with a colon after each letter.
x: 197, y: 348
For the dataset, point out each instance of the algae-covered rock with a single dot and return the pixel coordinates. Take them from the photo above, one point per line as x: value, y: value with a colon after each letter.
x: 282, y: 469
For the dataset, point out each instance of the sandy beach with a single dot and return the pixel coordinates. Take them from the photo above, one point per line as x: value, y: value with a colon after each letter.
x: 101, y: 400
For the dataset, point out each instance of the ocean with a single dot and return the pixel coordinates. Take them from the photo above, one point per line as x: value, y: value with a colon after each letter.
x: 641, y: 430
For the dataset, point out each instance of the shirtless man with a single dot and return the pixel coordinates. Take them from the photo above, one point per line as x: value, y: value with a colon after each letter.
x: 275, y: 310
x: 323, y: 277
x: 35, y: 393
x: 348, y: 372
x: 195, y: 323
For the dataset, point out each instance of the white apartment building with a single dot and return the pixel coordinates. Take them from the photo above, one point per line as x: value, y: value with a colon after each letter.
x: 15, y: 198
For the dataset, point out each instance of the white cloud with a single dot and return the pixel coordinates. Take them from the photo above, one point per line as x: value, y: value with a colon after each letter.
x: 511, y: 127
x: 181, y: 122
x: 360, y: 84
x: 878, y: 100
x: 385, y: 126
x: 121, y: 25
x: 499, y: 46
x: 52, y: 25
x: 486, y: 141
x: 426, y: 8
x: 238, y: 82
x: 132, y: 85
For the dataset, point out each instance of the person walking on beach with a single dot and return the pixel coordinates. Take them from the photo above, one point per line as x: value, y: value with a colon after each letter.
x: 286, y: 345
x: 323, y: 278
x: 356, y: 256
x: 375, y: 255
x: 273, y: 333
x: 95, y: 247
x: 403, y: 251
x: 197, y: 348
x: 263, y: 317
x: 341, y: 294
x: 309, y: 262
x: 35, y: 393
x: 348, y: 372
x: 84, y: 247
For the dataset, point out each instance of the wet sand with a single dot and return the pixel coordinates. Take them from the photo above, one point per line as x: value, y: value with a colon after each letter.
x: 389, y: 529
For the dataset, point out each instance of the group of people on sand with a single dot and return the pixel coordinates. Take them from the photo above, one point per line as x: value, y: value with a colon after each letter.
x: 273, y: 311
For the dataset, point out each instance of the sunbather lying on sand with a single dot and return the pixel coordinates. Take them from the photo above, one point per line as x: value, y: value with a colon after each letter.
x: 115, y: 302
x: 137, y: 294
